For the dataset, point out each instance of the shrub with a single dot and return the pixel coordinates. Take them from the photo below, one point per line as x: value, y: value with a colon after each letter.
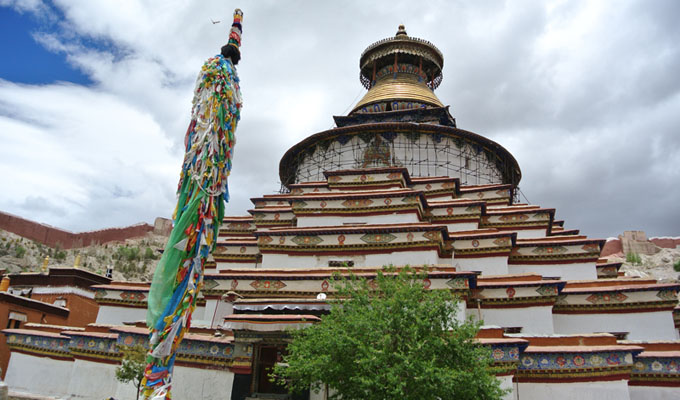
x: 60, y: 255
x: 676, y: 266
x: 19, y: 251
x: 127, y: 253
x: 149, y: 254
x: 633, y: 258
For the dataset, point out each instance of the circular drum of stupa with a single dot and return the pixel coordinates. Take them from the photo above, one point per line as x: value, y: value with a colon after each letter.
x: 400, y: 122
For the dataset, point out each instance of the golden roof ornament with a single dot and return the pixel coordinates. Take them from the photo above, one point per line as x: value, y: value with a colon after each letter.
x: 44, y: 265
x: 400, y: 72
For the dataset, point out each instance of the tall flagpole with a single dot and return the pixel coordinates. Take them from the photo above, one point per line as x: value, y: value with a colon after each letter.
x: 202, y: 193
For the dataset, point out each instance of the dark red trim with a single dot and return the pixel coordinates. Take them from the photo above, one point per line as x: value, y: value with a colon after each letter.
x: 478, y: 255
x: 606, y: 311
x: 97, y: 360
x: 437, y: 220
x: 514, y: 228
x: 241, y: 370
x: 102, y: 302
x: 655, y: 383
x: 388, y: 184
x: 212, y: 366
x: 551, y: 261
x: 606, y: 378
x: 29, y: 353
x: 510, y: 305
x: 315, y: 213
x: 322, y: 251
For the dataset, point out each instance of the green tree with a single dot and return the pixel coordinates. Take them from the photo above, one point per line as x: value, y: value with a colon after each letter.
x: 390, y: 339
x: 132, y: 365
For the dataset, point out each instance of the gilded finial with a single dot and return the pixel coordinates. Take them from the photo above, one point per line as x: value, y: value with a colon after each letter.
x: 45, y: 262
x: 402, y: 30
x: 76, y: 263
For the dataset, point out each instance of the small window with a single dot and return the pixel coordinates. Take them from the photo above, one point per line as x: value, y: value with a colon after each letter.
x: 60, y: 303
x: 15, y: 319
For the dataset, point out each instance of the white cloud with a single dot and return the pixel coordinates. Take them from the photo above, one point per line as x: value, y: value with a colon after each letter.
x: 585, y: 95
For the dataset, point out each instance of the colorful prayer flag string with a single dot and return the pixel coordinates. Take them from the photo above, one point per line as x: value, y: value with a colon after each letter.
x: 202, y: 192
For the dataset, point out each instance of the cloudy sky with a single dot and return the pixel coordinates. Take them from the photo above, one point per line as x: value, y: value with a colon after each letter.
x: 95, y: 98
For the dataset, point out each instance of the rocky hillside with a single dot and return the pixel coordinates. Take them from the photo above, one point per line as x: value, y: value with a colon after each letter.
x: 132, y: 260
x: 135, y: 259
x: 658, y: 266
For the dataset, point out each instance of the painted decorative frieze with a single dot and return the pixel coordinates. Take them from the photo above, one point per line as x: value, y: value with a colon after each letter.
x: 37, y: 342
x: 517, y: 218
x: 576, y: 363
x: 292, y: 283
x: 239, y: 250
x: 559, y: 250
x: 270, y: 216
x: 626, y: 295
x: 656, y: 368
x: 237, y: 226
x: 500, y: 293
x: 492, y: 194
x: 481, y: 243
x: 405, y: 237
x: 121, y: 294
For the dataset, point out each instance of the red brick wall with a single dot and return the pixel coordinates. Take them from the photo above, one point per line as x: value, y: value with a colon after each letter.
x: 615, y: 246
x: 84, y: 310
x: 52, y: 237
x: 666, y: 243
x: 611, y: 247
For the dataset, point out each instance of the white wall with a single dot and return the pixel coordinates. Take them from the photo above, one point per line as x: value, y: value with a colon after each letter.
x: 531, y: 233
x: 533, y: 320
x: 211, y: 317
x: 397, y: 258
x: 642, y: 326
x: 205, y: 384
x: 115, y: 315
x: 612, y: 390
x: 570, y: 272
x: 486, y: 265
x: 653, y: 393
x: 461, y: 311
x: 507, y: 384
x: 226, y: 266
x: 462, y: 226
x: 38, y: 375
x: 96, y: 381
x: 93, y: 380
x: 304, y: 221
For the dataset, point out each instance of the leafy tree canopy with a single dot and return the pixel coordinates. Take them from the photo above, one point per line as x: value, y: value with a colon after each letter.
x: 391, y: 339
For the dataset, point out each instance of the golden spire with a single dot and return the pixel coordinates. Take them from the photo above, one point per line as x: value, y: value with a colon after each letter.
x: 400, y: 73
x: 44, y: 265
x: 76, y: 262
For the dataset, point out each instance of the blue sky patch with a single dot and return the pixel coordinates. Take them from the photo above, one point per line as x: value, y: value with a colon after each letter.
x: 26, y: 61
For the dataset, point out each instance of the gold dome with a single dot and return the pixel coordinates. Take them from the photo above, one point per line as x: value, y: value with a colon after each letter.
x: 404, y: 87
x: 400, y: 73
